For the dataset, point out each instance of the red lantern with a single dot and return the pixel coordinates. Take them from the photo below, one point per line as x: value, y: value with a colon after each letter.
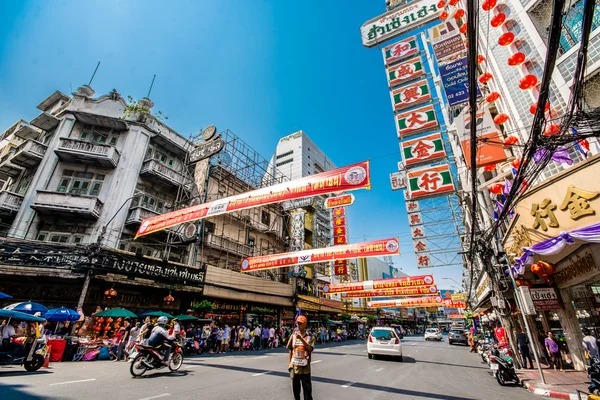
x: 110, y: 293
x: 107, y: 328
x: 528, y: 81
x: 492, y: 97
x: 500, y: 119
x: 506, y: 38
x: 516, y: 163
x: 485, y: 77
x: 441, y: 4
x: 523, y: 282
x: 444, y: 15
x: 97, y: 328
x: 480, y: 58
x: 497, y: 188
x: 498, y: 20
x: 463, y: 29
x: 109, y: 321
x: 169, y: 300
x: 489, y: 168
x: 487, y: 5
x: 459, y: 13
x: 533, y: 108
x: 100, y: 320
x: 516, y: 59
x: 552, y: 130
x: 453, y: 2
x: 543, y: 268
x: 509, y: 141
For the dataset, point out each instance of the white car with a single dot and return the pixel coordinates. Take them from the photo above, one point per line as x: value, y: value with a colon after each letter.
x: 433, y: 334
x: 384, y: 342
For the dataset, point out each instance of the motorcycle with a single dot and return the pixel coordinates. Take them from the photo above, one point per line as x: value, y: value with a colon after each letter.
x: 502, y: 367
x: 594, y: 376
x: 31, y: 352
x: 189, y: 347
x: 149, y: 358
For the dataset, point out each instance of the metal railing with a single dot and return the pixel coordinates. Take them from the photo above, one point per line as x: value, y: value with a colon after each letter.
x: 94, y: 149
x: 154, y: 167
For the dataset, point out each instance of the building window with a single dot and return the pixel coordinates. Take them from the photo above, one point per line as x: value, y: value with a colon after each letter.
x: 79, y: 183
x: 113, y: 140
x: 572, y: 23
x: 285, y: 162
x: 59, y: 237
x: 289, y: 153
x: 150, y: 203
x: 265, y: 218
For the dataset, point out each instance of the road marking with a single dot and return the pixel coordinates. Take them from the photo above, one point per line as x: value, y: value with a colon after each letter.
x: 347, y: 385
x: 262, y: 373
x: 158, y: 396
x: 192, y: 366
x: 379, y: 369
x: 259, y: 357
x: 314, y: 362
x: 65, y: 383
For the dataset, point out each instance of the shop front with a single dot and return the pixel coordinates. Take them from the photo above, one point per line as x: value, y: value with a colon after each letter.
x: 318, y: 309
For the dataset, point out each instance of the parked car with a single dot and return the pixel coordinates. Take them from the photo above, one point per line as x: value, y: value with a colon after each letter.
x: 457, y: 336
x: 433, y: 334
x: 384, y: 342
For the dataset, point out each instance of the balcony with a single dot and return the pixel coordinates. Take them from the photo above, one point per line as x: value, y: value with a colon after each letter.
x: 226, y: 245
x: 7, y: 168
x: 166, y: 175
x: 27, y: 131
x: 9, y: 203
x: 66, y: 204
x: 45, y: 122
x: 138, y: 213
x: 74, y: 150
x: 29, y: 154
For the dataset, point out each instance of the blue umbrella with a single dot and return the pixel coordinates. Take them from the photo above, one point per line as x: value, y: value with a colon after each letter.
x: 5, y: 296
x: 28, y: 307
x: 62, y: 314
x: 19, y: 316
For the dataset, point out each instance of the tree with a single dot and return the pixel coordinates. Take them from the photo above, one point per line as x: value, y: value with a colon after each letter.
x: 204, y: 307
x: 345, y: 317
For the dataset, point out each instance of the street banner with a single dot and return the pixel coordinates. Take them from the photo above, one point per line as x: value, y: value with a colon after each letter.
x: 489, y: 144
x: 422, y: 149
x: 415, y: 219
x: 400, y: 50
x: 340, y: 267
x: 410, y: 95
x: 412, y: 122
x: 429, y: 301
x: 417, y: 232
x: 339, y: 212
x: 412, y: 206
x: 351, y: 177
x: 405, y: 71
x: 430, y: 181
x: 340, y: 230
x: 420, y: 246
x: 376, y: 248
x: 449, y: 303
x: 339, y: 221
x: 398, y: 180
x: 392, y: 23
x: 456, y: 82
x: 362, y: 286
x: 408, y: 291
x: 339, y: 201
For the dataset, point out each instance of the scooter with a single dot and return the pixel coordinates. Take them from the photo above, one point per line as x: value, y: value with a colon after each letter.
x: 30, y: 354
x: 502, y: 368
x: 149, y: 358
x: 594, y: 376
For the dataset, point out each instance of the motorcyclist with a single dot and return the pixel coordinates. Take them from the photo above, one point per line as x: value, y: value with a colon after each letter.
x: 158, y: 337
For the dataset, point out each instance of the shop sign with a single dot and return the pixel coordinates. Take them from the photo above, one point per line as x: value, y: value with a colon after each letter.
x: 422, y: 149
x: 405, y: 71
x: 400, y: 50
x: 420, y: 246
x: 397, y: 21
x: 417, y: 232
x: 405, y: 291
x: 483, y: 288
x: 340, y: 230
x: 298, y: 203
x: 415, y: 219
x: 412, y: 206
x: 424, y: 260
x: 339, y: 221
x: 347, y: 178
x: 339, y: 212
x: 579, y: 268
x: 526, y: 301
x: 447, y: 42
x: 410, y: 95
x: 407, y: 281
x: 398, y: 180
x: 449, y: 303
x: 429, y: 301
x: 489, y: 150
x: 205, y: 150
x: 339, y: 240
x: 339, y: 201
x: 415, y: 121
x: 430, y: 181
x: 544, y: 299
x: 458, y: 297
x: 456, y: 82
x: 340, y: 267
x: 375, y: 248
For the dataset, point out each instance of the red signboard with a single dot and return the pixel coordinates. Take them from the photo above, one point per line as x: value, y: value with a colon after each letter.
x: 407, y: 291
x: 352, y: 177
x: 448, y: 303
x: 338, y: 201
x: 376, y: 248
x: 340, y: 267
x: 339, y: 240
x: 338, y: 212
x: 339, y: 231
x: 339, y: 221
x: 430, y: 301
x: 407, y: 281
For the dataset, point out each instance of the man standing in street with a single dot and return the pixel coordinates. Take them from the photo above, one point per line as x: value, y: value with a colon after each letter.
x: 590, y: 344
x: 265, y: 338
x: 301, y: 345
x: 226, y: 338
x: 256, y: 337
x: 523, y: 342
x: 271, y: 337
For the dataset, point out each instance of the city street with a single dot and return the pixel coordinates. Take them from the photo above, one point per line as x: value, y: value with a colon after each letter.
x: 431, y: 370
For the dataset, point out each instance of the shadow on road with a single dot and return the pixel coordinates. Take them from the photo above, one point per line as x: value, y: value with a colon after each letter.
x: 455, y: 365
x: 166, y: 374
x: 15, y: 392
x: 21, y: 371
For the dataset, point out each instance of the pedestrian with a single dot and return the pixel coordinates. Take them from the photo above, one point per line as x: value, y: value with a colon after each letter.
x: 220, y: 341
x: 265, y: 337
x: 176, y: 329
x: 145, y: 330
x: 271, y: 337
x: 471, y: 341
x: 123, y: 338
x: 133, y: 336
x: 553, y: 351
x: 247, y: 332
x: 300, y: 346
x: 256, y: 337
x: 214, y: 344
x: 590, y: 344
x: 226, y: 338
x: 523, y: 343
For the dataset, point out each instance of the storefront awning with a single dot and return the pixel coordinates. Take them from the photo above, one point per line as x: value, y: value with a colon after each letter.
x: 100, y: 120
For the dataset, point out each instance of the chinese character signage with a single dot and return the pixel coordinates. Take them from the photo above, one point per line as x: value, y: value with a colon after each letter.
x: 488, y: 149
x: 417, y: 232
x: 405, y: 291
x: 423, y: 149
x: 352, y: 177
x: 340, y: 267
x: 339, y: 212
x: 423, y: 261
x: 412, y: 206
x: 405, y: 71
x: 398, y: 180
x: 415, y: 219
x: 339, y: 240
x: 339, y: 201
x: 410, y: 95
x: 429, y: 301
x: 411, y: 122
x: 339, y: 230
x: 400, y: 50
x: 339, y: 221
x: 404, y: 282
x: 430, y: 181
x: 420, y: 246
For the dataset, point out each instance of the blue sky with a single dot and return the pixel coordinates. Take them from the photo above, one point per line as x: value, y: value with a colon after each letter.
x: 263, y: 69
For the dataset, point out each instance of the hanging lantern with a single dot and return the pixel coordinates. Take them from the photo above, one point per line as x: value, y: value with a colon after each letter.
x: 444, y: 15
x: 459, y: 13
x: 552, y: 130
x: 489, y: 167
x: 533, y: 108
x: 516, y: 59
x: 509, y: 141
x: 500, y: 119
x: 110, y: 294
x: 523, y: 282
x: 485, y: 77
x: 169, y: 300
x: 506, y: 38
x: 528, y: 81
x: 492, y: 97
x: 543, y: 268
x: 516, y: 163
x: 498, y: 20
x: 441, y: 4
x: 488, y: 5
x: 109, y: 321
x: 497, y: 188
x: 453, y: 2
x: 480, y: 58
x: 463, y: 29
x: 100, y: 320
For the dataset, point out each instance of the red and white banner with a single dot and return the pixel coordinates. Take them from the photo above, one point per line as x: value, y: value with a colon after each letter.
x: 431, y: 301
x: 375, y: 248
x: 448, y: 303
x: 352, y: 177
x: 408, y: 291
x: 339, y: 201
x: 407, y: 281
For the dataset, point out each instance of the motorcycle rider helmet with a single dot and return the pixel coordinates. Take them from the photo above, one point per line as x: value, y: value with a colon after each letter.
x: 162, y: 321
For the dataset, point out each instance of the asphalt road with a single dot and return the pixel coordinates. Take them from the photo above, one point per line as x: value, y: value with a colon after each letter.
x: 431, y: 370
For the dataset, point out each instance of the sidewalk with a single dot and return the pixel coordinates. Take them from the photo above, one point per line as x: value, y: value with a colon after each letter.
x: 559, y: 385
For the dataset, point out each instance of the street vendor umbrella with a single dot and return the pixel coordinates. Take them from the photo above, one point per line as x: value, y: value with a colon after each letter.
x: 5, y: 296
x: 28, y: 307
x: 61, y: 315
x: 157, y: 314
x: 184, y: 317
x: 116, y: 313
x: 19, y: 316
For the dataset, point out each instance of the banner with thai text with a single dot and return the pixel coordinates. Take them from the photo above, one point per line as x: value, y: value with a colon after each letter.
x: 431, y: 301
x: 407, y: 281
x: 406, y: 291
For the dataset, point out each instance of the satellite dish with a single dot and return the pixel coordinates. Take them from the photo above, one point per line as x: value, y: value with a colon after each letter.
x: 209, y: 133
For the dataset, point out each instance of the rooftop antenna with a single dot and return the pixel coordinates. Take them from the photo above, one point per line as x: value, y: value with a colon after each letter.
x: 94, y: 74
x: 151, y: 85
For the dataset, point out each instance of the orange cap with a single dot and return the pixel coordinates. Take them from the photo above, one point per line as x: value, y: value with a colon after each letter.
x: 301, y: 319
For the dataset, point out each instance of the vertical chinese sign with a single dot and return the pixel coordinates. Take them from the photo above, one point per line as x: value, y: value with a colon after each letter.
x: 338, y: 214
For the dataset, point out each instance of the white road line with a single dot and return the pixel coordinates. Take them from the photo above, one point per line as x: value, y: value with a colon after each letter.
x: 65, y: 383
x: 259, y: 357
x: 262, y: 373
x: 379, y: 369
x: 347, y: 385
x: 314, y: 362
x: 158, y: 396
